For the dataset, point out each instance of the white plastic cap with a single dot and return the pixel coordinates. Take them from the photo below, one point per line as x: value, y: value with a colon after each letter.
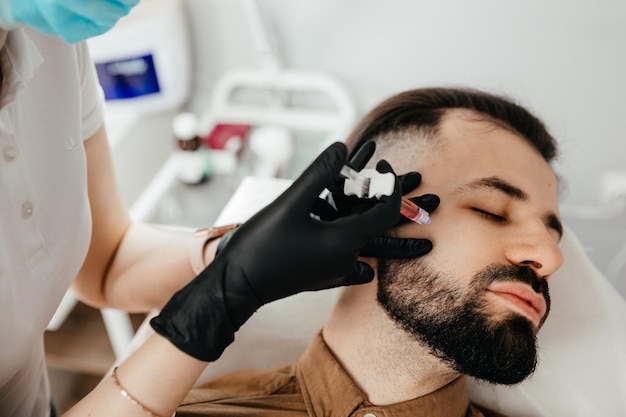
x: 379, y: 184
x: 185, y: 126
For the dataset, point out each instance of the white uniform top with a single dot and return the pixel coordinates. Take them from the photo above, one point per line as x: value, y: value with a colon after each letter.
x: 50, y: 103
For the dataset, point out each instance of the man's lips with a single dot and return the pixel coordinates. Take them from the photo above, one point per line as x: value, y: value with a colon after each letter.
x: 522, y: 298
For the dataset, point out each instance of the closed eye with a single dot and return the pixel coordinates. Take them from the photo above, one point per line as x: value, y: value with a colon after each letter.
x: 489, y: 215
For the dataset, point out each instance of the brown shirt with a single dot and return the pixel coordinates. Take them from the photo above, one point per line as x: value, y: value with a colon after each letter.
x: 316, y: 386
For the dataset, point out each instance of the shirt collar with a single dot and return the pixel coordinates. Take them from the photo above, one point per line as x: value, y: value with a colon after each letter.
x: 20, y: 58
x: 329, y: 391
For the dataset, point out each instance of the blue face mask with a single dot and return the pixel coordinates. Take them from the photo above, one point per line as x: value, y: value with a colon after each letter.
x: 72, y: 20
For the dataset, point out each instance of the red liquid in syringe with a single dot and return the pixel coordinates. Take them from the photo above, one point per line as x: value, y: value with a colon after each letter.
x: 413, y: 212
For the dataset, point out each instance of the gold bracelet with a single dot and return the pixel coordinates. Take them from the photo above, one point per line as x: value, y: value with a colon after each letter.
x: 129, y: 397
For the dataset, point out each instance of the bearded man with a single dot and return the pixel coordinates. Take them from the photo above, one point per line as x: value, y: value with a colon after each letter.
x: 403, y: 343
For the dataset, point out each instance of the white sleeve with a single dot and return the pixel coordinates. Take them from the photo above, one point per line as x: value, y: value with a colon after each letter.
x: 92, y: 93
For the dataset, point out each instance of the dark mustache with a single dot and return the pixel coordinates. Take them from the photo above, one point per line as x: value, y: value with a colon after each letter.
x: 524, y: 274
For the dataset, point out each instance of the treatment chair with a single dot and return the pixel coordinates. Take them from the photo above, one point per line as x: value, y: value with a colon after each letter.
x: 582, y: 368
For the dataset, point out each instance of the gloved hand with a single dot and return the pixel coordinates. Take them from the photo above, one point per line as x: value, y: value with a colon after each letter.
x: 72, y: 20
x: 280, y: 251
x: 337, y: 204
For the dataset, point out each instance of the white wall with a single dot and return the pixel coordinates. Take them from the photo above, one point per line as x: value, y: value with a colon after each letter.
x: 564, y: 59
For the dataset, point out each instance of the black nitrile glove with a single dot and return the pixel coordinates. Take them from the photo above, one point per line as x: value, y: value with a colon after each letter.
x: 280, y: 251
x: 338, y: 204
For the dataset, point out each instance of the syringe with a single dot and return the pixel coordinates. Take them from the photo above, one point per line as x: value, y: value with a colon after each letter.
x: 371, y: 183
x: 413, y: 212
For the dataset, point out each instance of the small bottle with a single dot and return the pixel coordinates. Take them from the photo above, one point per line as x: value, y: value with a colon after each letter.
x: 273, y: 148
x: 194, y: 161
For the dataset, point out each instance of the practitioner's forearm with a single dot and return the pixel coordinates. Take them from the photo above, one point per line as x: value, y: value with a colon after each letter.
x: 157, y: 375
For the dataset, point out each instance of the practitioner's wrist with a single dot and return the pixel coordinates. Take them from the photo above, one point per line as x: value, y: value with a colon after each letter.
x: 198, y: 319
x: 205, y: 244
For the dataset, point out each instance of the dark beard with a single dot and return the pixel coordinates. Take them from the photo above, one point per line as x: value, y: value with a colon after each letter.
x: 454, y: 323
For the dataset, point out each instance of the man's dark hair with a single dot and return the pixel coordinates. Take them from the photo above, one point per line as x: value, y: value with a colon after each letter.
x: 422, y: 109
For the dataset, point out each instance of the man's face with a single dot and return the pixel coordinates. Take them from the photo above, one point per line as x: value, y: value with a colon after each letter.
x: 478, y: 299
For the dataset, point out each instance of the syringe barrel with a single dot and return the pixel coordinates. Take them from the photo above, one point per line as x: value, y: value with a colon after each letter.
x: 413, y: 212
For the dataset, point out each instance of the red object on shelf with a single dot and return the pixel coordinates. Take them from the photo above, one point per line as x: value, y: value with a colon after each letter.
x: 223, y: 132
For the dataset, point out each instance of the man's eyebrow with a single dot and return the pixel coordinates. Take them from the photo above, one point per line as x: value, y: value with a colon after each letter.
x: 498, y: 184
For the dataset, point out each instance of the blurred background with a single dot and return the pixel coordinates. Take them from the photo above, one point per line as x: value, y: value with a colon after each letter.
x: 260, y: 87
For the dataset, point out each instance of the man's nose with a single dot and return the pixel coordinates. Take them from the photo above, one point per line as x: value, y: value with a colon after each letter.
x: 536, y: 248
